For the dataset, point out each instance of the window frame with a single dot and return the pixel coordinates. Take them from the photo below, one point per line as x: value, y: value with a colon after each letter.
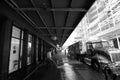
x: 20, y: 47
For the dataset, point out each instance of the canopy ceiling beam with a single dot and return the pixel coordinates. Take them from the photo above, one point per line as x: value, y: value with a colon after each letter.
x: 22, y: 13
x: 40, y: 16
x: 54, y: 34
x: 68, y: 9
x: 65, y: 23
x: 11, y: 3
x: 55, y: 28
x: 54, y: 9
x: 53, y: 15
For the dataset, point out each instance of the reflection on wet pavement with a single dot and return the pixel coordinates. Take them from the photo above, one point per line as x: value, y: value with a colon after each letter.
x: 69, y: 73
x: 74, y: 70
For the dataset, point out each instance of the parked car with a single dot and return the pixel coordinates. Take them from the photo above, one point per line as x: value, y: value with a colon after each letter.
x: 101, y: 57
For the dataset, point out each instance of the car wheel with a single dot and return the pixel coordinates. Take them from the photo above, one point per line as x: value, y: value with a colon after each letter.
x: 96, y: 66
x: 109, y: 75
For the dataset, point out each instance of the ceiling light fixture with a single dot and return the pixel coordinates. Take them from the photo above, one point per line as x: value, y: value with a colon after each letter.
x: 54, y: 38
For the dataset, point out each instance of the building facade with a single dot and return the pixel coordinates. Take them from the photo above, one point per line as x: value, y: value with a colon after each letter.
x: 102, y: 21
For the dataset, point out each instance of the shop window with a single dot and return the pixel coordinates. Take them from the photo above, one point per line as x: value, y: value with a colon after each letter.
x: 16, y: 32
x: 16, y: 49
x: 29, y: 52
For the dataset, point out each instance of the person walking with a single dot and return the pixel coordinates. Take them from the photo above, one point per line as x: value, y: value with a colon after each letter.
x: 50, y: 61
x: 49, y: 55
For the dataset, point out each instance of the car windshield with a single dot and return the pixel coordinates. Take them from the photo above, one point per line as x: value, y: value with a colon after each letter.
x: 103, y: 44
x: 97, y: 45
x: 115, y: 57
